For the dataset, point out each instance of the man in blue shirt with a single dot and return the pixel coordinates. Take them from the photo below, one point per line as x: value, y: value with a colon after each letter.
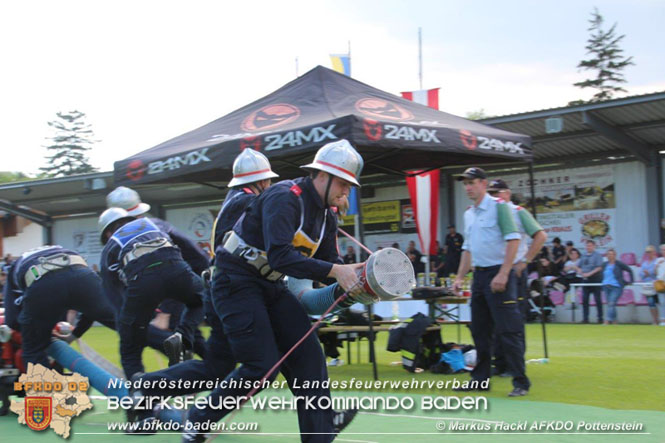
x: 491, y: 244
x: 591, y: 264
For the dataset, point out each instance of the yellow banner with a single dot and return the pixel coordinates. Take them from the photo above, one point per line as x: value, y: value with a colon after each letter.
x: 377, y: 212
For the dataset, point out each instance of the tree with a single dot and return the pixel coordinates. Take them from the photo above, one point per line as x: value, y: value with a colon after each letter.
x: 73, y: 138
x: 8, y: 177
x: 606, y: 58
x: 477, y: 115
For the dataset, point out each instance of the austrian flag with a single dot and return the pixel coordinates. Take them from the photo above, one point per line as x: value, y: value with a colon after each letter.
x: 427, y: 97
x: 424, y: 193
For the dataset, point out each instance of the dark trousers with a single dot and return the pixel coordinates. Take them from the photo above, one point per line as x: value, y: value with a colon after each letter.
x: 167, y: 279
x: 586, y: 292
x: 175, y: 309
x: 47, y: 300
x: 523, y: 304
x: 263, y: 321
x: 217, y: 364
x: 498, y: 313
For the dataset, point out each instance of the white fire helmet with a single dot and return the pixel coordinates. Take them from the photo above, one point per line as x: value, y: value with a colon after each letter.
x: 110, y: 216
x: 249, y: 167
x: 339, y: 159
x: 127, y: 199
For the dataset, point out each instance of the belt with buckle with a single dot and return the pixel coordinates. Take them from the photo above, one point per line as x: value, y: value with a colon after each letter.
x: 51, y: 263
x: 143, y: 248
x: 486, y: 268
x: 253, y: 256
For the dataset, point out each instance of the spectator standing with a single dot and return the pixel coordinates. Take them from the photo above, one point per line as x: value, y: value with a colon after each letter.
x: 453, y: 250
x: 613, y: 282
x: 649, y: 274
x: 438, y: 261
x: 558, y: 253
x: 350, y: 256
x: 591, y: 264
x: 415, y: 257
x: 569, y: 247
x: 660, y: 274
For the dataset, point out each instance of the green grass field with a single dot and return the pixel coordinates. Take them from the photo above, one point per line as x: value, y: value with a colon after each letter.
x: 595, y: 373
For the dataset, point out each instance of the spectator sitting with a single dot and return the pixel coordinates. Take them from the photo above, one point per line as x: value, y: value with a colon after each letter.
x: 415, y: 256
x: 648, y: 273
x: 569, y: 247
x: 350, y: 256
x: 547, y: 268
x: 613, y: 283
x: 571, y: 269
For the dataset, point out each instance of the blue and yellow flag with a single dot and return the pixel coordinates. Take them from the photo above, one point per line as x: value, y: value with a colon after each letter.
x: 341, y: 63
x: 353, y: 202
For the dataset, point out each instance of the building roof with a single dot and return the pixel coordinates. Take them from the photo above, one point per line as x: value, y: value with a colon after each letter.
x: 44, y: 199
x: 625, y: 127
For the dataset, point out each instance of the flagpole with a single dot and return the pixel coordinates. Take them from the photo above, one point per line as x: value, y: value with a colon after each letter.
x: 420, y: 57
x: 349, y: 58
x: 297, y: 74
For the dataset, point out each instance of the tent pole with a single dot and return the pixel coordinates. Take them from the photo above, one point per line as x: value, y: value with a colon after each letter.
x: 370, y: 310
x: 532, y: 189
x: 420, y: 57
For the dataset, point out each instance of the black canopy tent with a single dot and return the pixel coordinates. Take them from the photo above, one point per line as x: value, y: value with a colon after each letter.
x: 289, y: 125
x: 392, y: 134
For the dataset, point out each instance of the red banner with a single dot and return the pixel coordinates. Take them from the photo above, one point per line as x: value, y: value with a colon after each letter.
x: 424, y: 193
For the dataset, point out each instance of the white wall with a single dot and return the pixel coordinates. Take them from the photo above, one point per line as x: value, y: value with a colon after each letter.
x: 81, y: 235
x: 30, y: 238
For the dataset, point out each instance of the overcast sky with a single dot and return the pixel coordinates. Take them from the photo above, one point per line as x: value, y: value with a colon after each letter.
x: 146, y: 71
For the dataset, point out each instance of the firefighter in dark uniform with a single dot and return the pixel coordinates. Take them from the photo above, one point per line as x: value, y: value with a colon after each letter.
x: 251, y: 175
x: 161, y: 339
x: 147, y: 262
x: 491, y: 243
x: 289, y: 229
x: 42, y: 285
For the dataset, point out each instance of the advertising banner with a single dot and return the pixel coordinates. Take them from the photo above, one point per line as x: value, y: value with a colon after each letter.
x: 574, y: 205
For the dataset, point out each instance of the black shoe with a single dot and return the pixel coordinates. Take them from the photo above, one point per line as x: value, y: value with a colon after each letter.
x: 341, y: 419
x: 135, y: 394
x: 518, y: 392
x: 173, y: 348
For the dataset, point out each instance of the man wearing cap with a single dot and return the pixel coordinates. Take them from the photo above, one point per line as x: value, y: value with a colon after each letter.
x: 529, y: 229
x: 42, y: 285
x: 146, y: 262
x: 129, y: 200
x: 289, y: 229
x: 490, y: 246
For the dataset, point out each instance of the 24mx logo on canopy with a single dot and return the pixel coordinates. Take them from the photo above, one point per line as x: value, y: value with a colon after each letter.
x: 270, y: 117
x: 381, y: 109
